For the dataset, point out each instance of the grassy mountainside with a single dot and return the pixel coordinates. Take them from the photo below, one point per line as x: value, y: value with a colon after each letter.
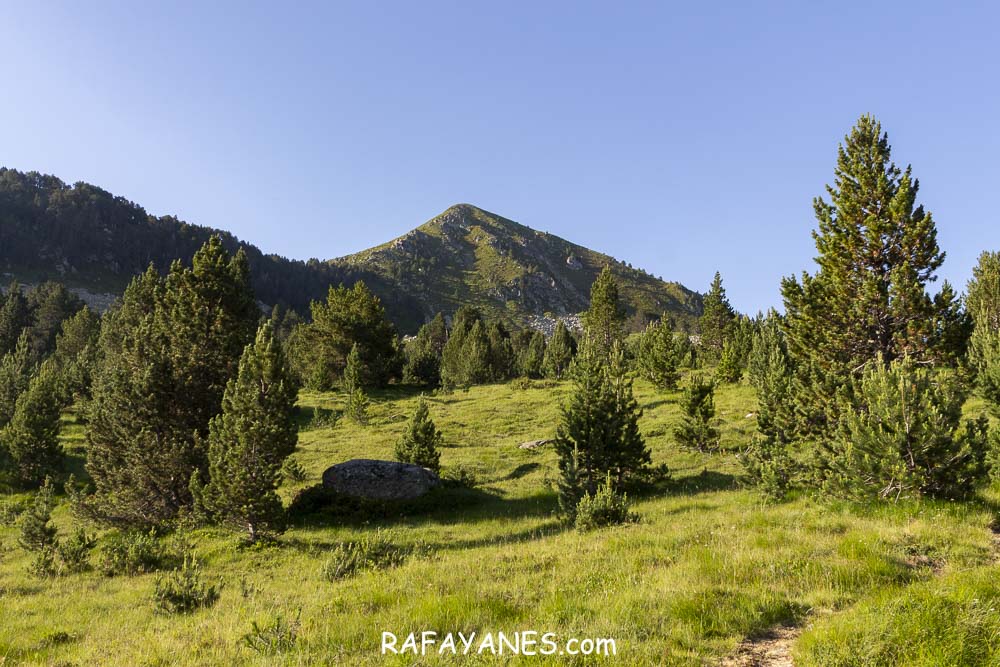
x: 89, y: 239
x: 708, y: 568
x: 470, y: 256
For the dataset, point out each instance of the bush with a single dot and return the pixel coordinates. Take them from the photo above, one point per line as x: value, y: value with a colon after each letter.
x: 74, y: 553
x: 11, y: 510
x: 275, y: 638
x: 131, y: 553
x: 183, y: 590
x: 698, y: 407
x: 604, y: 508
x: 769, y: 466
x: 374, y: 551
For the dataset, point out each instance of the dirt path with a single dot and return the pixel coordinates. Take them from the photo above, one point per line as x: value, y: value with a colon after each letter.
x: 773, y: 649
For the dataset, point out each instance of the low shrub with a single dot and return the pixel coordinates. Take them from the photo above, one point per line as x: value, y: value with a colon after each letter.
x: 293, y: 471
x: 606, y: 507
x: 74, y: 552
x: 131, y: 553
x: 275, y: 638
x: 184, y: 590
x: 374, y: 551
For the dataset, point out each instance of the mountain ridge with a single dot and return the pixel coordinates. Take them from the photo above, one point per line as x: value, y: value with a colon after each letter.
x: 91, y: 240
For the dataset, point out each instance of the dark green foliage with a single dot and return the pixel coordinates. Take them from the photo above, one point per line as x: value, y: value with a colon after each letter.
x: 604, y: 321
x: 31, y: 438
x: 356, y: 402
x: 420, y: 441
x: 275, y: 638
x: 424, y: 352
x: 529, y: 353
x: 184, y: 590
x: 293, y: 471
x: 768, y: 461
x: 716, y: 320
x: 16, y: 370
x: 697, y: 412
x: 559, y: 352
x: 131, y: 553
x: 15, y: 318
x: 166, y: 355
x: 476, y: 352
x: 349, y: 316
x: 250, y: 439
x: 605, y: 507
x: 983, y: 302
x: 900, y: 437
x: 599, y: 433
x: 570, y: 486
x: 37, y: 535
x: 878, y: 252
x: 76, y: 353
x: 736, y: 350
x: 50, y: 305
x: 658, y: 355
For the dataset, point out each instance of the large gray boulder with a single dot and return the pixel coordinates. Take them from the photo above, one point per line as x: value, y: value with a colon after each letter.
x: 379, y: 480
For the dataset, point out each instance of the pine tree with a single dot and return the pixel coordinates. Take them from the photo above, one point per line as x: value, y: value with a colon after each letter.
x: 716, y: 320
x: 250, y: 439
x: 605, y: 319
x: 76, y: 355
x: 983, y: 302
x: 529, y: 353
x: 15, y: 317
x: 38, y: 536
x: 420, y: 441
x: 657, y: 356
x: 424, y: 352
x: 877, y: 254
x: 698, y: 409
x: 166, y: 355
x: 16, y: 370
x: 32, y: 436
x: 349, y: 316
x: 501, y: 353
x: 559, y: 352
x: 899, y: 436
x: 599, y: 431
x: 50, y: 304
x: 353, y: 386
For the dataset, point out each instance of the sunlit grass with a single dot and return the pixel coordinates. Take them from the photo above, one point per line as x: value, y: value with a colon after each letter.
x: 708, y: 564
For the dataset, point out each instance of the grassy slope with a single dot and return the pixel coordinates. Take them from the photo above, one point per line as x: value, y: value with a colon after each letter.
x: 708, y: 564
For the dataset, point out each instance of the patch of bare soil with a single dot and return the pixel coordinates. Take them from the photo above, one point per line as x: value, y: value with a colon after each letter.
x: 773, y: 649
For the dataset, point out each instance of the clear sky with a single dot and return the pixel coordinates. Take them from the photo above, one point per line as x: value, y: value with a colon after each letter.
x: 681, y: 137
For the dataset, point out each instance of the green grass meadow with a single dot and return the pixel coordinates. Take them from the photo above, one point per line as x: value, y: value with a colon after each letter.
x: 709, y: 564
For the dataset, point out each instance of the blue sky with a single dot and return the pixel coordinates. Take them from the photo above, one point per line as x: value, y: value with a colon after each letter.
x: 681, y: 137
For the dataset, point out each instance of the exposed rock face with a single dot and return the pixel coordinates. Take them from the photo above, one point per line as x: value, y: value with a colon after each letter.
x: 379, y: 480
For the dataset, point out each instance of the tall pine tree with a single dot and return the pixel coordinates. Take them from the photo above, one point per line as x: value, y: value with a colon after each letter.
x: 559, y: 352
x: 251, y: 438
x: 716, y: 320
x: 604, y: 321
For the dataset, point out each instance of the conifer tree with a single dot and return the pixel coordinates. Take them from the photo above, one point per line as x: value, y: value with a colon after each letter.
x: 76, y: 354
x: 424, y: 352
x: 878, y: 252
x: 529, y: 351
x: 353, y: 386
x: 657, y: 356
x: 698, y: 409
x: 420, y: 441
x: 37, y: 534
x: 166, y: 355
x: 716, y: 320
x: 250, y: 439
x: 599, y: 431
x: 869, y: 300
x: 983, y: 302
x: 899, y: 436
x: 15, y: 317
x: 559, y: 352
x: 604, y: 321
x: 16, y: 370
x: 50, y: 304
x: 350, y: 316
x: 32, y: 436
x: 501, y: 353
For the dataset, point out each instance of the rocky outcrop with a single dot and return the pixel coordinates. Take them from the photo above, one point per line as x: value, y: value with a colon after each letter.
x: 371, y: 479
